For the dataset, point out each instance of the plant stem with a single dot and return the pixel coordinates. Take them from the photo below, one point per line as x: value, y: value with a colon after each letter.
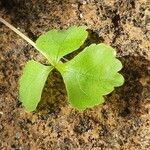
x: 24, y: 37
x: 18, y: 32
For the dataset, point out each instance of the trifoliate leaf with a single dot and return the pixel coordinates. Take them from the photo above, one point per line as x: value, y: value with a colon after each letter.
x: 56, y: 44
x: 91, y: 75
x: 32, y: 83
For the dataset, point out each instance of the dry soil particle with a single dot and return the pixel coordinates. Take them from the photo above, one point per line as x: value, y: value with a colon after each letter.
x: 122, y: 122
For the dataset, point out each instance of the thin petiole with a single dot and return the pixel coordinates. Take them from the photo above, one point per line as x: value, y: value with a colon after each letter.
x: 24, y: 37
x: 18, y: 32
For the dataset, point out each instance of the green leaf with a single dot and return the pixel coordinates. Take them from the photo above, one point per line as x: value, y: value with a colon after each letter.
x: 56, y: 44
x: 32, y: 83
x: 91, y: 75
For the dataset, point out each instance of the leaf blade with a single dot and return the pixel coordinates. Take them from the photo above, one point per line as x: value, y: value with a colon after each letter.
x: 31, y: 84
x: 91, y: 75
x: 55, y: 44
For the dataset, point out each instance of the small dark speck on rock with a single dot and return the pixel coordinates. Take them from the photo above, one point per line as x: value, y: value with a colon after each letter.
x: 67, y: 141
x: 125, y: 112
x: 3, y: 89
x: 83, y: 126
x: 81, y: 142
x: 44, y: 116
x: 18, y: 104
x: 13, y: 146
x: 29, y: 121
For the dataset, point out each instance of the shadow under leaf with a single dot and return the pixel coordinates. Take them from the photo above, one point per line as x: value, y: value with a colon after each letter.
x: 127, y: 99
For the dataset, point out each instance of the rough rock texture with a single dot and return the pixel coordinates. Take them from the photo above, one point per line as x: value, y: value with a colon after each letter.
x: 122, y: 122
